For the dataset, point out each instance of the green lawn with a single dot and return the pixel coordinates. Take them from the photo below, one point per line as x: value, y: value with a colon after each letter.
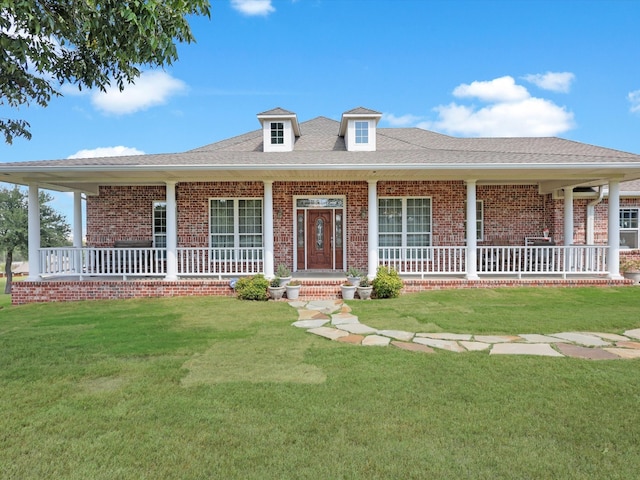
x: 201, y: 388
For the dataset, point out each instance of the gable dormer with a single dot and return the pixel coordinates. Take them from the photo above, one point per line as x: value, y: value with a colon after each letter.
x: 358, y: 127
x: 279, y: 130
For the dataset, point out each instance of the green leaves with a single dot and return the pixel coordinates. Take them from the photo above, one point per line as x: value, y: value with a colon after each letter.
x: 89, y: 43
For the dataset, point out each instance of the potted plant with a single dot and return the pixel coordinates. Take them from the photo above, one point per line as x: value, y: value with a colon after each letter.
x: 353, y: 276
x: 284, y: 274
x: 293, y: 289
x: 276, y: 291
x: 364, y: 289
x: 630, y: 268
x: 348, y: 291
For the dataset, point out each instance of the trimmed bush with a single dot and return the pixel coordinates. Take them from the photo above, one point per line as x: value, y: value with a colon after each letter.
x: 253, y: 288
x: 387, y: 283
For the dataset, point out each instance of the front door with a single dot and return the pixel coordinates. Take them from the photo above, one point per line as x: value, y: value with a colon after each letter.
x: 319, y: 239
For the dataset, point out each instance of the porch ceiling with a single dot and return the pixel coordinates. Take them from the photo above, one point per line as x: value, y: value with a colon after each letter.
x: 548, y: 177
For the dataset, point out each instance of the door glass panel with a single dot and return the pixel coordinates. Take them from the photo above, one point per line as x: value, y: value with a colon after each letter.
x: 300, y: 230
x: 338, y: 230
x: 320, y: 233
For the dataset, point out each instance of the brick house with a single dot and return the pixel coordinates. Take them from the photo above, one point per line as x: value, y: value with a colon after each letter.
x: 320, y: 196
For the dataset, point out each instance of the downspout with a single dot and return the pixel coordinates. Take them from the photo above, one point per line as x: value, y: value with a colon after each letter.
x: 591, y: 217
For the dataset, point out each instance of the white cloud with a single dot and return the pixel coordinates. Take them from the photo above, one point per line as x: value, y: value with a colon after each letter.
x: 253, y: 7
x: 401, y: 121
x: 554, y: 81
x: 634, y: 98
x: 118, y: 151
x: 151, y: 89
x: 510, y: 112
x: 503, y: 89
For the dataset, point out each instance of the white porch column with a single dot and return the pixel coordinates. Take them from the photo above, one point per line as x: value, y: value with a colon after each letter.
x: 269, y: 271
x: 568, y: 216
x: 172, y: 232
x: 613, y: 233
x: 33, y: 224
x: 372, y: 229
x: 77, y: 219
x: 472, y: 240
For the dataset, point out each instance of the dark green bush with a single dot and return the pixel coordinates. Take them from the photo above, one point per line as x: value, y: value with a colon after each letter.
x: 252, y: 288
x: 387, y: 283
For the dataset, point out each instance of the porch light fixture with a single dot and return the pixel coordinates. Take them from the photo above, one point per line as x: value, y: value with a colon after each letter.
x: 363, y: 212
x: 279, y: 213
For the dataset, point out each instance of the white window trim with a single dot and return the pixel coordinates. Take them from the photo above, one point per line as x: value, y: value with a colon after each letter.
x: 404, y: 232
x: 236, y: 220
x: 356, y: 137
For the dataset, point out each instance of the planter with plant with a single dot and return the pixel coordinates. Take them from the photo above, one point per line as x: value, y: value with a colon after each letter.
x: 353, y: 276
x: 364, y: 289
x: 284, y: 274
x: 348, y: 291
x: 276, y: 291
x: 387, y: 283
x: 630, y: 268
x: 293, y: 289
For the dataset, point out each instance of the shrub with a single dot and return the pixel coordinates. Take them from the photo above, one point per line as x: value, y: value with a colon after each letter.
x: 253, y: 288
x: 387, y: 283
x: 283, y: 271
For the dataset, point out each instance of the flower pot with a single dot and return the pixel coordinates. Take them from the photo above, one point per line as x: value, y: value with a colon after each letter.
x: 635, y: 276
x: 355, y: 281
x: 276, y: 293
x: 293, y: 291
x: 348, y: 291
x: 284, y: 281
x: 364, y: 292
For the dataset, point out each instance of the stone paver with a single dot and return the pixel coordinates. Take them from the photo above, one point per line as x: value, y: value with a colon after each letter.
x: 343, y: 318
x: 330, y: 333
x: 397, y: 334
x: 496, y: 338
x: 541, y: 349
x: 576, y: 351
x: 536, y: 338
x: 446, y: 336
x: 353, y: 339
x: 475, y: 346
x: 358, y: 328
x: 309, y: 323
x: 314, y: 316
x: 449, y: 345
x: 412, y: 347
x: 627, y: 353
x: 376, y: 341
x: 633, y: 333
x: 582, y: 339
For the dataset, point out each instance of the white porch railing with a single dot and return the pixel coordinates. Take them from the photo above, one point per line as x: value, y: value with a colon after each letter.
x: 559, y: 260
x: 220, y: 261
x: 124, y: 262
x: 424, y: 260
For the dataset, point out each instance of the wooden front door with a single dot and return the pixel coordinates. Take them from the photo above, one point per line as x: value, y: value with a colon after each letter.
x: 320, y: 239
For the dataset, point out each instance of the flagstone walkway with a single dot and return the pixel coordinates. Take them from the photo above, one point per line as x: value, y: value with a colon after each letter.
x: 333, y: 319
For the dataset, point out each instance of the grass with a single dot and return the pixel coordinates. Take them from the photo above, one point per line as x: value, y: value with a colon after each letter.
x: 195, y: 388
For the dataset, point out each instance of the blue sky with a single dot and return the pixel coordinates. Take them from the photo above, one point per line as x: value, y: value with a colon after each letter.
x: 465, y: 68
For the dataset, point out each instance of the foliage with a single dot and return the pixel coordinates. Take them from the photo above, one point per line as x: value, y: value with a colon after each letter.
x: 353, y: 272
x: 387, y: 283
x: 364, y: 282
x: 294, y: 283
x: 283, y: 271
x: 14, y: 235
x: 253, y: 288
x: 630, y: 264
x: 46, y: 44
x: 275, y: 282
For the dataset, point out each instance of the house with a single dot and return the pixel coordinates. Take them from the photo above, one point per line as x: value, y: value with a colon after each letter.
x: 323, y: 195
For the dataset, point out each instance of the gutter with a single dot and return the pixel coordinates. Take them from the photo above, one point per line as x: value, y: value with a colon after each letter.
x: 591, y: 216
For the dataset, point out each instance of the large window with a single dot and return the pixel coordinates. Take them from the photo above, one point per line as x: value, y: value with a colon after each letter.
x: 277, y: 133
x: 236, y: 223
x: 362, y: 132
x: 629, y: 227
x: 404, y: 222
x: 160, y: 224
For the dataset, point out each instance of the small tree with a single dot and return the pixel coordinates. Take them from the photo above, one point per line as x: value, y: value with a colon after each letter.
x: 14, y: 235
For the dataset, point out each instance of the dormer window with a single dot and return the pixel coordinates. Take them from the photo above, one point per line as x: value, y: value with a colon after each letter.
x: 277, y: 133
x: 362, y: 132
x: 358, y: 127
x: 280, y: 129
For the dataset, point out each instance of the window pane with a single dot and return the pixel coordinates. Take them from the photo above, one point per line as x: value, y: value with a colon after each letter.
x: 390, y: 240
x: 390, y: 215
x: 362, y: 132
x: 629, y: 239
x: 628, y: 218
x: 418, y: 240
x: 418, y: 215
